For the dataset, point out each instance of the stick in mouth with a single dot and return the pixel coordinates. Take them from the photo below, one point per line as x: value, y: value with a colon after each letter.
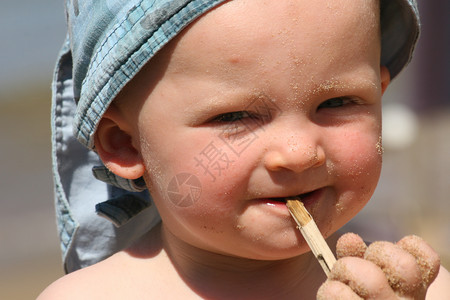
x: 311, y: 233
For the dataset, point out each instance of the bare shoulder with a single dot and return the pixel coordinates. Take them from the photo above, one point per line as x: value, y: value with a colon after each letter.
x: 127, y: 274
x: 440, y: 288
x: 71, y: 286
x: 89, y: 282
x: 117, y: 277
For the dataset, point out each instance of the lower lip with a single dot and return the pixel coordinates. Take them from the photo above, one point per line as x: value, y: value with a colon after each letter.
x: 307, y: 201
x: 273, y: 205
x: 272, y: 202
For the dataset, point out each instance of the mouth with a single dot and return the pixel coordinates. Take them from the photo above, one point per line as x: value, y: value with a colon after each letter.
x: 302, y: 197
x: 305, y: 198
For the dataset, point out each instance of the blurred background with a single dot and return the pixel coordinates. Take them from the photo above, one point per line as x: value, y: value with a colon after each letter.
x: 413, y: 195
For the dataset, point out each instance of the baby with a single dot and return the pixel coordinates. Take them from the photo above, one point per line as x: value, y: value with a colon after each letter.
x: 252, y: 102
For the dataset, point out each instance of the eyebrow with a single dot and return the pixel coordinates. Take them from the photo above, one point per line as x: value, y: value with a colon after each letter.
x: 334, y: 85
x: 234, y: 100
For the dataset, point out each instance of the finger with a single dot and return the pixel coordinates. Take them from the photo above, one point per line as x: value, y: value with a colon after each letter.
x: 350, y: 244
x: 336, y: 290
x: 427, y: 259
x: 365, y: 278
x: 399, y: 266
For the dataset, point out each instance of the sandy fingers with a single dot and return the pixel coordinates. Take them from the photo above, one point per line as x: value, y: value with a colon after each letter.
x: 400, y: 268
x: 426, y: 258
x: 336, y: 290
x: 381, y: 271
x: 365, y: 278
x: 350, y: 244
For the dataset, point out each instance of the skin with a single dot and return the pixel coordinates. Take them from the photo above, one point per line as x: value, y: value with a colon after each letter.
x: 403, y: 270
x: 303, y: 147
x: 317, y: 65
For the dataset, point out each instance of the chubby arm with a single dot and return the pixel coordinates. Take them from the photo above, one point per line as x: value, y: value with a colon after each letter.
x: 409, y: 269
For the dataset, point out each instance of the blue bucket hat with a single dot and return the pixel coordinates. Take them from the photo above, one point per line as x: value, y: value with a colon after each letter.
x: 108, y: 42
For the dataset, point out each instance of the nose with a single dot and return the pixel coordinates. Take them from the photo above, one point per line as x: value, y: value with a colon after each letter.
x: 295, y: 152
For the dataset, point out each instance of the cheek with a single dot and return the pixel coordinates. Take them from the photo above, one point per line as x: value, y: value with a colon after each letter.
x: 167, y: 154
x: 355, y: 163
x: 358, y: 159
x: 192, y: 174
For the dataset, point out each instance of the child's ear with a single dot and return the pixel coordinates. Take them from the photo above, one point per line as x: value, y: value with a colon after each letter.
x: 385, y: 78
x: 114, y: 145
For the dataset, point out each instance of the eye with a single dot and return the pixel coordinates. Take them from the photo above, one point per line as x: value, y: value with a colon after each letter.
x: 336, y: 102
x: 236, y: 124
x: 231, y: 117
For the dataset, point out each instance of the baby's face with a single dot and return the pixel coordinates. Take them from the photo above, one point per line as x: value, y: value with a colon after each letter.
x: 259, y: 100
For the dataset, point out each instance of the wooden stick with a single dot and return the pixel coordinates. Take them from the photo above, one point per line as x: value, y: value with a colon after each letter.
x: 312, y: 235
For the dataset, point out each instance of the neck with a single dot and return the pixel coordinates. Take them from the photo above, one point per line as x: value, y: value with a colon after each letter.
x: 217, y: 276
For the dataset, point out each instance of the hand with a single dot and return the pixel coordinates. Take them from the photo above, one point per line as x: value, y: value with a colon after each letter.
x: 383, y: 270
